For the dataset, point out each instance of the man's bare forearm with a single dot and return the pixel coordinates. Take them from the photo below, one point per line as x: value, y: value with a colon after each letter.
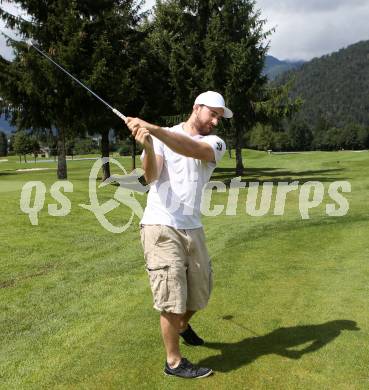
x: 179, y: 143
x: 150, y: 166
x: 182, y: 144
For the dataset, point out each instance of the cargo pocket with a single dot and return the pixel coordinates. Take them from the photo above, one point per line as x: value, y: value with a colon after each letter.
x: 161, y: 287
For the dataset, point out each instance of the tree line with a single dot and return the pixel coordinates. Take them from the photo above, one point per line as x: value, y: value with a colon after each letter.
x: 147, y: 65
x: 297, y: 135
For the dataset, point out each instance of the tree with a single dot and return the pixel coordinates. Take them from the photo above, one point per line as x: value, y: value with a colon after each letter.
x: 95, y: 41
x: 35, y: 147
x: 363, y: 137
x: 261, y: 137
x: 11, y: 142
x: 218, y: 45
x: 319, y: 132
x: 174, y: 38
x: 22, y: 144
x: 353, y: 136
x: 238, y: 29
x: 3, y: 144
x: 332, y: 139
x: 299, y: 135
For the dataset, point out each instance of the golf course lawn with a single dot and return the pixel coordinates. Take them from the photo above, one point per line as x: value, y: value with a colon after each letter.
x: 289, y: 308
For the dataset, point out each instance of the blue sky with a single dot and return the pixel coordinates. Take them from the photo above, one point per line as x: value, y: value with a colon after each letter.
x: 303, y: 28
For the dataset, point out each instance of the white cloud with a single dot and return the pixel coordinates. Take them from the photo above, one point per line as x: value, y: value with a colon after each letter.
x: 304, y: 28
x: 309, y: 5
x: 312, y: 28
x: 5, y: 50
x: 149, y: 4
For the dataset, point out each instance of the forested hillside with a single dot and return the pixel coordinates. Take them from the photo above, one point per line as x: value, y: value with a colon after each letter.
x: 334, y: 114
x: 274, y: 67
x: 334, y: 87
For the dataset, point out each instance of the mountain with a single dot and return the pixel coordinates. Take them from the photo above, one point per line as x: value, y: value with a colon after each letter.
x: 274, y: 67
x: 5, y: 126
x: 334, y: 87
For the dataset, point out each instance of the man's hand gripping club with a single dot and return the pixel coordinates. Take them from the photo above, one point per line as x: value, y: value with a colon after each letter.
x: 140, y: 131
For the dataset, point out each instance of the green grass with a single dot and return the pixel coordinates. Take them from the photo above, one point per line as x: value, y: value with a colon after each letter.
x: 75, y: 304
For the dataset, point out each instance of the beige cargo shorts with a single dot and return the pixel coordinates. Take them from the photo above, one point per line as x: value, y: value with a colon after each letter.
x: 178, y: 266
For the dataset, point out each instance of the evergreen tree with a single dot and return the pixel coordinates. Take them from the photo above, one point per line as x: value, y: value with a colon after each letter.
x: 319, y: 132
x: 218, y: 45
x: 97, y: 43
x: 363, y: 137
x: 239, y: 30
x: 299, y: 135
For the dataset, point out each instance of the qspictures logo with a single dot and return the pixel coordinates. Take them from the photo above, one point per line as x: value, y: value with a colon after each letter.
x: 33, y: 195
x: 261, y: 198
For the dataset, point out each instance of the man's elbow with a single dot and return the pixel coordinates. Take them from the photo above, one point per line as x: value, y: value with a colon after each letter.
x: 205, y: 153
x: 150, y: 178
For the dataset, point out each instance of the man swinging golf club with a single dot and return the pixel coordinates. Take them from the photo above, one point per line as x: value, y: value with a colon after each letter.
x: 178, y: 162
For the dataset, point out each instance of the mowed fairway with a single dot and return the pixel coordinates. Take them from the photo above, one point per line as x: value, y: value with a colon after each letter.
x: 289, y: 308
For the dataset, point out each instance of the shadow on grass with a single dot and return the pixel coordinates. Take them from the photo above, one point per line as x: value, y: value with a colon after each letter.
x: 276, y: 175
x: 7, y: 172
x: 292, y: 342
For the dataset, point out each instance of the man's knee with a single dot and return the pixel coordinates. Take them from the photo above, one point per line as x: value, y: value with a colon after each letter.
x: 173, y: 318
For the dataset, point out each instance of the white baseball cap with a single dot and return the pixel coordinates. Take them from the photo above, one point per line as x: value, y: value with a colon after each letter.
x: 214, y: 99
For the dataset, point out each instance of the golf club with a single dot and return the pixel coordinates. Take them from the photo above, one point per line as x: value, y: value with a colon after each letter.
x: 230, y: 318
x: 30, y: 44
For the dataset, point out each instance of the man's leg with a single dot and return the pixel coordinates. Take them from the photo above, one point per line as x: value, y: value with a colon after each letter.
x: 184, y: 320
x: 187, y: 333
x: 170, y: 326
x: 176, y: 365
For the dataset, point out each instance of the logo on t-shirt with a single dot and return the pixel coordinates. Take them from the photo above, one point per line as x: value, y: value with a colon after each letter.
x: 219, y: 146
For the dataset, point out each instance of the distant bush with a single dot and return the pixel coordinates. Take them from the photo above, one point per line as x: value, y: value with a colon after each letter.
x: 124, y: 148
x: 84, y: 146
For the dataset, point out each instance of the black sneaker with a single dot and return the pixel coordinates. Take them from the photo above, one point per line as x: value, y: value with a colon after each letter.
x: 190, y: 337
x: 186, y: 369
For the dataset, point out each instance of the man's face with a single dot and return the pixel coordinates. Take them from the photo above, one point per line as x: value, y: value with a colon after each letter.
x: 207, y: 118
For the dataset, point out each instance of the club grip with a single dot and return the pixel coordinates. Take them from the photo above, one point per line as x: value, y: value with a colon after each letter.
x: 121, y: 116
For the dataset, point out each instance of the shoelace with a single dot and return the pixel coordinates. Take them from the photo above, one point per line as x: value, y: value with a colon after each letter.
x: 186, y: 364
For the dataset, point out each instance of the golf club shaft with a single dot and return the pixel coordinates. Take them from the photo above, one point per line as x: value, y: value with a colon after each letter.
x: 115, y: 111
x: 241, y: 326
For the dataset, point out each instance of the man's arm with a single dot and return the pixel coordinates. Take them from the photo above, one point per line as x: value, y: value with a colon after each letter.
x: 177, y: 142
x: 152, y: 163
x: 184, y: 145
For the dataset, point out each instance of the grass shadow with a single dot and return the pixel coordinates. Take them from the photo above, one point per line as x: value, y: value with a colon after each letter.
x: 8, y: 172
x: 276, y: 175
x: 292, y: 343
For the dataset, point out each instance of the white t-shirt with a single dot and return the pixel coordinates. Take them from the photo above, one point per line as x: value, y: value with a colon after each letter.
x: 175, y: 198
